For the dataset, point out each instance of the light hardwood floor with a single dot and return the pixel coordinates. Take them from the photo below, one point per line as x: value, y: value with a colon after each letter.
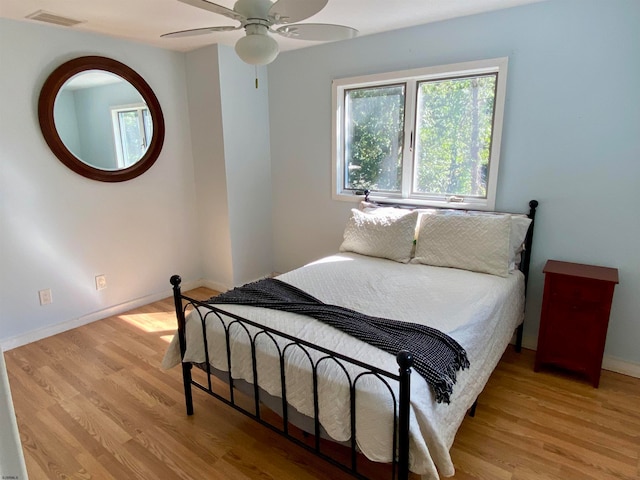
x: 93, y: 403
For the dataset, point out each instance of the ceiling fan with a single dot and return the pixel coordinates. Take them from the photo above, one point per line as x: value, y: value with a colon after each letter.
x: 259, y: 17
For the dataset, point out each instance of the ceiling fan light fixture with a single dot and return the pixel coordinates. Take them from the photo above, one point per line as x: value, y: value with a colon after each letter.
x: 260, y: 19
x: 257, y: 49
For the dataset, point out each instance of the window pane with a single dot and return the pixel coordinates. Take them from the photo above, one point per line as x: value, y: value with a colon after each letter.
x: 131, y: 136
x: 374, y: 119
x: 454, y: 121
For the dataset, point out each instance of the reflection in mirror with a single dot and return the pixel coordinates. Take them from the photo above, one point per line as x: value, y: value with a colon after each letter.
x: 103, y: 120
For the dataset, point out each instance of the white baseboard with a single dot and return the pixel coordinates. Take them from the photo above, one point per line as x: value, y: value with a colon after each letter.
x: 621, y: 366
x: 218, y: 287
x: 609, y: 363
x: 40, y: 333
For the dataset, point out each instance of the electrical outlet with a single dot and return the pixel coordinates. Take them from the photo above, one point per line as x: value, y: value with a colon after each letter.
x: 45, y: 296
x: 101, y: 282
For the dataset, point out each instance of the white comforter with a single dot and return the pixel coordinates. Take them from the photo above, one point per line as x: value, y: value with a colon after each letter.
x: 479, y: 310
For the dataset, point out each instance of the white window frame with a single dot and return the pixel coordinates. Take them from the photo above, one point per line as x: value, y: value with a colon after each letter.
x: 411, y: 77
x: 117, y: 134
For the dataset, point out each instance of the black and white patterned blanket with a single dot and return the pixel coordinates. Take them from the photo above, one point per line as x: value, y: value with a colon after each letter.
x: 437, y: 356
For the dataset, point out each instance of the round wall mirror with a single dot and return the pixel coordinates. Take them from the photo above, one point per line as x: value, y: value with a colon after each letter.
x: 101, y: 119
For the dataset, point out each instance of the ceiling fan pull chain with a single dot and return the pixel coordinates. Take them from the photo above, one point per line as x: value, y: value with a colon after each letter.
x: 256, y: 68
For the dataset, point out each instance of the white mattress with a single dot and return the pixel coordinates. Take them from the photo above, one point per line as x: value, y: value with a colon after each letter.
x: 478, y: 310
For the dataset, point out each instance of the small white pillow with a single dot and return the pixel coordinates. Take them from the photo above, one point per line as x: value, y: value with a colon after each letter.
x: 519, y: 228
x: 469, y: 242
x: 385, y: 236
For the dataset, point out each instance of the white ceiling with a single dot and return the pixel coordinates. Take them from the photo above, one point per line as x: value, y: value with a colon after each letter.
x: 145, y: 20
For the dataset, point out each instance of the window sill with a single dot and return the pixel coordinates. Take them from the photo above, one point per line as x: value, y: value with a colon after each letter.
x: 475, y: 204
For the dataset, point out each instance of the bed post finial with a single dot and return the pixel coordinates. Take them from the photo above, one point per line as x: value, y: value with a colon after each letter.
x: 405, y: 362
x: 175, y: 281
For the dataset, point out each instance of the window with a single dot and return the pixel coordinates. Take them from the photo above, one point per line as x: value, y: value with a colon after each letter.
x: 132, y: 129
x: 428, y: 136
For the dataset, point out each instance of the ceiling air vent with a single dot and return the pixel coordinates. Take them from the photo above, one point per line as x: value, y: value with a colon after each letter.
x: 47, y: 17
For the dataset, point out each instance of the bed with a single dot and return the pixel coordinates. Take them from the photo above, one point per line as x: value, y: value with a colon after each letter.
x: 417, y: 266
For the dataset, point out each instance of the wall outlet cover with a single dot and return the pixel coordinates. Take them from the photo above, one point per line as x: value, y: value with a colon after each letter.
x: 45, y: 296
x: 101, y: 282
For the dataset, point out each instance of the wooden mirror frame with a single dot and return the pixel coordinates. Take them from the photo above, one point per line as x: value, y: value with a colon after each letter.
x: 47, y: 99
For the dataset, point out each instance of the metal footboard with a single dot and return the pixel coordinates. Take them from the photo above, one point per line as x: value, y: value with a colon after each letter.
x: 316, y: 357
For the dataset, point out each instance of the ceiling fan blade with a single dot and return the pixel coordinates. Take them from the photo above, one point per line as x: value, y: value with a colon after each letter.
x: 290, y: 11
x: 215, y: 8
x: 198, y: 31
x: 319, y: 32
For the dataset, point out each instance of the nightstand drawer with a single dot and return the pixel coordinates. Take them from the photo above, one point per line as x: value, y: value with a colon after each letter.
x: 575, y: 307
x: 577, y: 290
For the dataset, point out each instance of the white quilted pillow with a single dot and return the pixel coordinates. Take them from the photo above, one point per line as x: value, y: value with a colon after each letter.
x: 469, y: 242
x: 385, y: 236
x: 519, y: 228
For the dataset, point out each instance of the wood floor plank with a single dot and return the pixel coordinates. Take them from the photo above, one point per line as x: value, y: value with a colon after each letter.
x: 64, y: 389
x: 35, y: 471
x: 117, y: 466
x: 93, y: 403
x: 55, y: 459
x: 28, y: 404
x: 527, y: 473
x: 96, y: 469
x: 529, y: 441
x: 481, y: 468
x: 176, y: 455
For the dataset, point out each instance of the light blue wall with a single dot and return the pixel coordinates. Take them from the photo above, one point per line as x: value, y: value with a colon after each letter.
x: 571, y: 137
x: 64, y: 114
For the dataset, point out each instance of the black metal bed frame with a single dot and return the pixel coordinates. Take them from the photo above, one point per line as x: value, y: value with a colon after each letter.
x: 283, y: 343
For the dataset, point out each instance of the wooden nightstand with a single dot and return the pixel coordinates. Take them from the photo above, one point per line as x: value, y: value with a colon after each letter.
x: 575, y: 315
